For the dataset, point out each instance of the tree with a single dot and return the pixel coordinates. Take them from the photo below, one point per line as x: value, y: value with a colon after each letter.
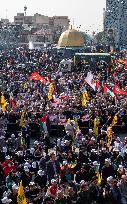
x: 99, y: 37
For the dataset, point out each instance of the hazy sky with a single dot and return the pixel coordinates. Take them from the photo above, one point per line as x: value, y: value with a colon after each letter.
x: 88, y: 13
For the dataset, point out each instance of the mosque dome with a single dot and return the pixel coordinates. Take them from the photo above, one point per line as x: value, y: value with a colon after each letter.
x: 71, y: 38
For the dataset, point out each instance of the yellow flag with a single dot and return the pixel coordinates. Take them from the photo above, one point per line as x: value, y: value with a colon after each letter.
x: 95, y: 129
x: 21, y: 199
x: 86, y: 95
x: 51, y: 91
x: 76, y: 124
x: 109, y: 131
x: 84, y: 100
x: 114, y: 122
x: 109, y: 136
x: 3, y: 103
x: 69, y: 121
x: 98, y: 178
x: 49, y: 96
x: 22, y: 119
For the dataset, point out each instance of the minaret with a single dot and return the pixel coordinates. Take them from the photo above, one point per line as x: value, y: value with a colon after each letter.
x: 25, y: 9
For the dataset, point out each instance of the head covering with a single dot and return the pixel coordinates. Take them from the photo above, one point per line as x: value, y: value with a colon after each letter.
x: 6, y: 200
x: 53, y: 181
x: 27, y: 164
x: 36, y: 142
x: 32, y: 150
x: 107, y: 160
x: 41, y: 173
x: 7, y: 157
x: 31, y: 183
x: 26, y: 168
x: 109, y: 178
x: 5, y: 149
x: 95, y: 163
x: 12, y: 135
x: 34, y: 165
x: 64, y: 162
x: 15, y: 187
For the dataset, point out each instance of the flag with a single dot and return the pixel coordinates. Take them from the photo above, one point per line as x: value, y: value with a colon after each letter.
x: 107, y: 91
x: 49, y: 78
x: 22, y: 119
x: 109, y: 136
x: 86, y: 94
x: 95, y: 129
x: 119, y: 91
x: 90, y: 80
x: 74, y: 60
x: 3, y: 103
x: 98, y: 86
x: 69, y: 121
x: 76, y: 124
x: 12, y: 101
x: 44, y: 118
x: 84, y: 100
x: 37, y: 77
x: 51, y: 91
x: 114, y: 122
x: 98, y: 178
x: 21, y: 199
x: 109, y: 130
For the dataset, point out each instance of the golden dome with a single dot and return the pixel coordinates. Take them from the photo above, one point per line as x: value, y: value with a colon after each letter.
x: 71, y: 38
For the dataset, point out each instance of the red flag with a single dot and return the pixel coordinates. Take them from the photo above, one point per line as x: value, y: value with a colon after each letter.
x: 37, y: 77
x: 12, y: 103
x: 44, y: 118
x: 117, y: 90
x: 105, y: 88
x: 125, y: 64
x: 97, y: 85
x: 49, y: 78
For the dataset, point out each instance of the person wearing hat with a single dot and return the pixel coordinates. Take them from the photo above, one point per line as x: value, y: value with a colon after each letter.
x: 14, y: 194
x: 41, y: 179
x: 82, y: 174
x: 120, y: 171
x: 107, y: 170
x: 123, y: 189
x: 52, y: 189
x: 26, y: 176
x: 61, y: 198
x: 83, y: 194
x: 95, y: 191
x: 32, y: 194
x: 8, y: 166
x: 93, y: 156
x: 102, y: 156
x: 53, y: 167
x: 48, y: 200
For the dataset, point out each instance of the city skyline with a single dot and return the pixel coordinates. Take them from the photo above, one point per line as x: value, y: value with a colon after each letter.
x: 88, y: 14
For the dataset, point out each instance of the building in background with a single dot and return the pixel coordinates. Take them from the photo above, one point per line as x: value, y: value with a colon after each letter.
x: 54, y: 22
x: 56, y: 25
x: 115, y: 23
x: 41, y: 38
x: 40, y: 19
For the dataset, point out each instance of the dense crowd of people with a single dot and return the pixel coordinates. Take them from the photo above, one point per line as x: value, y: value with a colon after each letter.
x: 74, y: 163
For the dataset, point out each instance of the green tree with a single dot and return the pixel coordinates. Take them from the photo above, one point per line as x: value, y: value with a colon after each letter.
x: 99, y: 37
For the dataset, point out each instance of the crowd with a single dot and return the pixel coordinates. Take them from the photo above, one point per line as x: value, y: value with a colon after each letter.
x: 81, y: 165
